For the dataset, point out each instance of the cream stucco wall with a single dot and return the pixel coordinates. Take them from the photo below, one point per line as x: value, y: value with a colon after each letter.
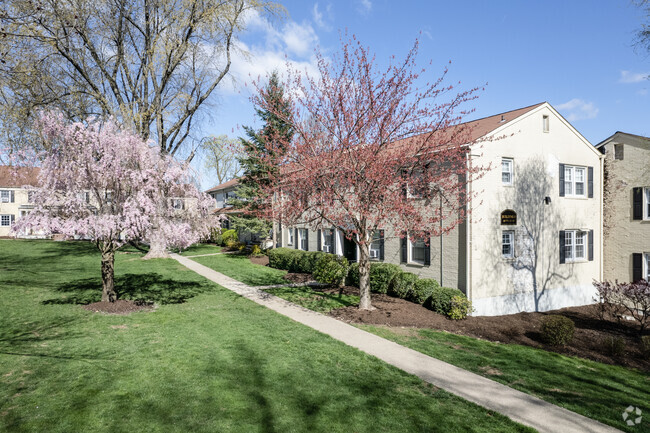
x: 534, y: 279
x: 623, y: 235
x: 20, y: 205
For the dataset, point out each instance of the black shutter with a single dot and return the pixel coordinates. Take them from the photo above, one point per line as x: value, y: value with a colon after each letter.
x: 637, y: 200
x: 590, y: 180
x: 591, y: 245
x: 333, y: 232
x: 404, y: 243
x: 13, y: 198
x: 381, y: 245
x: 562, y: 181
x: 320, y: 245
x: 13, y: 217
x: 296, y: 242
x: 427, y: 250
x: 306, y: 239
x: 637, y: 266
x: 562, y: 256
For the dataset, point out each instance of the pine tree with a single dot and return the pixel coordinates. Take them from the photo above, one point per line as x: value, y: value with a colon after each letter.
x: 260, y: 150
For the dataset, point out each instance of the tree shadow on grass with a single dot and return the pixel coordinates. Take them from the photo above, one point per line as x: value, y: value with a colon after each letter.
x: 150, y: 287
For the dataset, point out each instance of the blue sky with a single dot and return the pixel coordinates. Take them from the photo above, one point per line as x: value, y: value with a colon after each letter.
x: 577, y: 55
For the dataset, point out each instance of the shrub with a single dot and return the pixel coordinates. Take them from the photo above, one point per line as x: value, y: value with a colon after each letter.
x: 440, y: 299
x: 256, y: 250
x: 460, y: 308
x: 353, y: 274
x: 557, y: 330
x: 422, y: 289
x: 331, y: 269
x: 215, y: 236
x: 381, y: 275
x: 645, y: 345
x: 229, y: 236
x: 306, y: 261
x: 282, y: 258
x: 614, y: 346
x: 402, y: 284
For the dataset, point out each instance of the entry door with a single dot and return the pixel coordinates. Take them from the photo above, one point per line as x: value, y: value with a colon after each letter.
x: 349, y: 250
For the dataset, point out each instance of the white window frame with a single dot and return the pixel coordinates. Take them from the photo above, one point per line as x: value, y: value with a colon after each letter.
x: 646, y: 203
x: 646, y: 266
x: 7, y: 218
x: 330, y: 246
x: 573, y: 239
x: 510, y: 171
x: 177, y: 203
x: 410, y: 193
x: 571, y: 184
x: 302, y: 237
x: 411, y: 247
x: 545, y: 123
x: 290, y: 236
x: 620, y: 154
x: 5, y: 196
x: 376, y: 239
x: 511, y: 242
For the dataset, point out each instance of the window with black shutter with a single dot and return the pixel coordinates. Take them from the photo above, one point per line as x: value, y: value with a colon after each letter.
x: 561, y: 180
x: 562, y: 247
x: 404, y: 251
x: 637, y: 266
x: 590, y: 182
x: 637, y: 203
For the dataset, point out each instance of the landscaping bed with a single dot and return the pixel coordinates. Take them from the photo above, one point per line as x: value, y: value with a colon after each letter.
x: 121, y: 306
x: 592, y: 338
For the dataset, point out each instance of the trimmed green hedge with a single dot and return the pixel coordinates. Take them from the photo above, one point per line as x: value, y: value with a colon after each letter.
x: 402, y: 284
x: 440, y: 299
x: 294, y: 260
x: 229, y: 235
x: 331, y: 269
x: 557, y: 330
x: 422, y: 289
x: 381, y: 275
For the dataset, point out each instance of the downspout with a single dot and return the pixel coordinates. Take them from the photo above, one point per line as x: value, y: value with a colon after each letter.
x: 441, y: 284
x: 602, y: 228
x: 468, y: 240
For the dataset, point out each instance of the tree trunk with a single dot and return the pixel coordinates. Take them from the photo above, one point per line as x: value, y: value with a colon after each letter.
x: 108, y: 276
x: 157, y: 247
x: 364, y: 276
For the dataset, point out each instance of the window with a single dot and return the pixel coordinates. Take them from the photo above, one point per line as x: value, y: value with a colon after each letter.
x: 415, y: 187
x: 84, y: 196
x: 508, y: 244
x: 302, y: 239
x: 177, y: 203
x: 646, y: 196
x: 575, y: 242
x: 290, y: 236
x: 574, y: 181
x: 506, y: 171
x: 108, y: 196
x: 545, y: 122
x: 5, y: 220
x: 375, y: 245
x: 618, y: 151
x: 5, y: 196
x: 328, y: 241
x: 646, y: 263
x: 417, y: 250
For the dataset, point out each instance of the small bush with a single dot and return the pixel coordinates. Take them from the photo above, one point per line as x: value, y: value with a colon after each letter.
x: 460, y: 308
x: 402, y: 284
x: 256, y: 250
x: 353, y: 274
x: 215, y: 236
x: 557, y: 330
x: 440, y: 299
x: 306, y: 261
x: 645, y: 345
x: 229, y: 236
x: 613, y: 346
x: 282, y: 258
x: 331, y: 269
x: 422, y: 289
x: 381, y: 274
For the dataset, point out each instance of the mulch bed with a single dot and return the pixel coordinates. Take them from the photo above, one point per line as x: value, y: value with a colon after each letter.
x: 260, y: 260
x: 589, y: 340
x: 118, y: 307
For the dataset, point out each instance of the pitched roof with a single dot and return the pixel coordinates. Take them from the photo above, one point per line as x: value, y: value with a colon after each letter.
x: 16, y: 177
x: 485, y: 125
x: 605, y: 141
x: 233, y: 182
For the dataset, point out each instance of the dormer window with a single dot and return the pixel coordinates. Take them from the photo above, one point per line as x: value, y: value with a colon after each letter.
x: 545, y: 123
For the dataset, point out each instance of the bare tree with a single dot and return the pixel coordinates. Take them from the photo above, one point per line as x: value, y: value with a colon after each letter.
x: 222, y: 157
x: 151, y: 64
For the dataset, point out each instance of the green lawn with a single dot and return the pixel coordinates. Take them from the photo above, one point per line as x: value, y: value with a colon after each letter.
x: 206, y: 360
x: 313, y: 299
x: 593, y: 389
x: 241, y: 269
x: 197, y: 249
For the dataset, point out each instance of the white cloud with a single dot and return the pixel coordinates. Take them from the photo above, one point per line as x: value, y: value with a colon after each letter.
x: 365, y: 6
x: 577, y: 109
x: 320, y: 19
x: 628, y: 77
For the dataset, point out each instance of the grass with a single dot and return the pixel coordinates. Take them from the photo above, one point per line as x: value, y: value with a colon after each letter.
x: 242, y: 269
x: 212, y: 361
x: 313, y: 299
x: 598, y: 391
x: 197, y: 249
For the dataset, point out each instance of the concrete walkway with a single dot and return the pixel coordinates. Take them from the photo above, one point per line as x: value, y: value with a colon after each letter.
x: 518, y: 406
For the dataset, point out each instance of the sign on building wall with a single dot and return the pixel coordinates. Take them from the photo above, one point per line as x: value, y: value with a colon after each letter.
x: 508, y: 218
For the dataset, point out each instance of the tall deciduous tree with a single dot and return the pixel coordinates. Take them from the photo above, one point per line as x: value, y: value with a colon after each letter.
x: 222, y: 155
x: 107, y: 185
x: 261, y: 154
x: 370, y: 150
x: 151, y: 64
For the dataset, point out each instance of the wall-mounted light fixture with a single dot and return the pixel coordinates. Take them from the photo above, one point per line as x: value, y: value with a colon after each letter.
x: 547, y: 200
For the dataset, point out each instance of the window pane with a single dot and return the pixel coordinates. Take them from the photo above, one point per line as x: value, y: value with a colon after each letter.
x: 375, y: 245
x: 505, y: 178
x: 506, y: 171
x: 580, y: 174
x: 580, y: 188
x: 568, y: 245
x: 647, y: 203
x: 5, y: 220
x: 647, y: 267
x: 417, y: 251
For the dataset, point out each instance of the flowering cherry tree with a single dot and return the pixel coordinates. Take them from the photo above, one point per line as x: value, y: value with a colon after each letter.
x: 101, y: 183
x: 370, y: 149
